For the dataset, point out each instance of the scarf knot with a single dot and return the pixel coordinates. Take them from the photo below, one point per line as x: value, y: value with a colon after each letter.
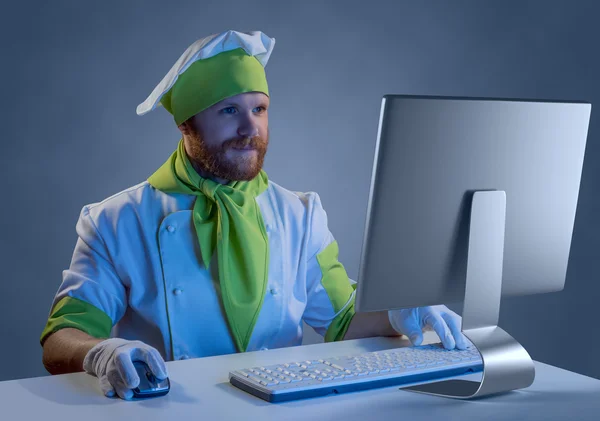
x: 210, y: 188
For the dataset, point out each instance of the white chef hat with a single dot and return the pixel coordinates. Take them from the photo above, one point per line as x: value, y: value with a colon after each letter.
x: 210, y: 70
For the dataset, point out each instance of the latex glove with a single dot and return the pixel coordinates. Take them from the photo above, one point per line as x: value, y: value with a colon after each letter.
x: 112, y: 362
x: 413, y: 321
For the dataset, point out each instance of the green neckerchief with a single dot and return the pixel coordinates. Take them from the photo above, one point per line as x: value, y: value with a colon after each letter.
x: 228, y: 215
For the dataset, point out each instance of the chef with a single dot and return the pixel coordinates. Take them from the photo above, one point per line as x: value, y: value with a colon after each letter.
x: 208, y: 256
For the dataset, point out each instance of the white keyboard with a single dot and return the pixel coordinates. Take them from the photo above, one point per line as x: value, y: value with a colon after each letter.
x: 304, y: 379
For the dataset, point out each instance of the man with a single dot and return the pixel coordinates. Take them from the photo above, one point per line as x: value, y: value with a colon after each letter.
x: 208, y: 256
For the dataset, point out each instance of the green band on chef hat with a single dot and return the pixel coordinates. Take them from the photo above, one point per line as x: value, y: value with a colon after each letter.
x: 211, y: 80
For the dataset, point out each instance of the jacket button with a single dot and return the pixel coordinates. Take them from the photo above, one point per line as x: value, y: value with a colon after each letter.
x: 171, y: 228
x: 274, y: 291
x: 184, y: 357
x: 177, y: 291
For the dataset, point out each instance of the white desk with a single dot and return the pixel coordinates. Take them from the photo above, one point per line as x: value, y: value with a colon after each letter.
x: 200, y: 391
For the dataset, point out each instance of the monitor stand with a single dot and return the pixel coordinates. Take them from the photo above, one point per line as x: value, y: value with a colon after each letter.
x: 506, y: 364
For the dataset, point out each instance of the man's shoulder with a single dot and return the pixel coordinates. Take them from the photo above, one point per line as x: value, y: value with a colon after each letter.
x: 135, y: 192
x: 294, y: 198
x: 141, y: 197
x: 302, y: 211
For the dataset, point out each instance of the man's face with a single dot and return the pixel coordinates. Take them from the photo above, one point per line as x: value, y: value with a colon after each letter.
x: 229, y: 139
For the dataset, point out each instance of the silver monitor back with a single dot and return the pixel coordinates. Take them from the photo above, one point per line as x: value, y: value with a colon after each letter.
x: 431, y: 154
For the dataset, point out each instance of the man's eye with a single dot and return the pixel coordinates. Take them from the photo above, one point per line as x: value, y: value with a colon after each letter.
x: 228, y: 109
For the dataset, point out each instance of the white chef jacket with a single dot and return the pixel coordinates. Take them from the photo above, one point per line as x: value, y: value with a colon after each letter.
x: 137, y: 260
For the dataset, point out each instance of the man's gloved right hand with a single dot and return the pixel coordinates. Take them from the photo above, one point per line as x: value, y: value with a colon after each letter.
x: 112, y: 362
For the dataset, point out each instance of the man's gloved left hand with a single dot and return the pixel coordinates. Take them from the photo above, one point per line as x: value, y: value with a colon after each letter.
x: 446, y: 323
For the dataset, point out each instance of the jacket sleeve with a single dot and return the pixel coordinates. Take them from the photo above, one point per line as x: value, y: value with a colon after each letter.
x: 330, y: 292
x: 91, y: 296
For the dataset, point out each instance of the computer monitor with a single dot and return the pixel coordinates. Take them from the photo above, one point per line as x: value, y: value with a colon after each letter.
x: 471, y: 199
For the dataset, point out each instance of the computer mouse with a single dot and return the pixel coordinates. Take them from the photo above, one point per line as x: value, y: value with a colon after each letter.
x: 149, y: 385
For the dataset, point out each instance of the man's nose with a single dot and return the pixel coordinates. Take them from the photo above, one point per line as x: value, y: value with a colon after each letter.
x: 248, y: 129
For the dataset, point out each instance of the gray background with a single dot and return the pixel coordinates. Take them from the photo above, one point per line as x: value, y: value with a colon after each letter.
x: 73, y: 73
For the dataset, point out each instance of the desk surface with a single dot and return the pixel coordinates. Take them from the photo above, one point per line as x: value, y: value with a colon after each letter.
x: 200, y: 390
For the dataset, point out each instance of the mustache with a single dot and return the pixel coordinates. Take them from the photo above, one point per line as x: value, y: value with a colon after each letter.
x: 255, y: 142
